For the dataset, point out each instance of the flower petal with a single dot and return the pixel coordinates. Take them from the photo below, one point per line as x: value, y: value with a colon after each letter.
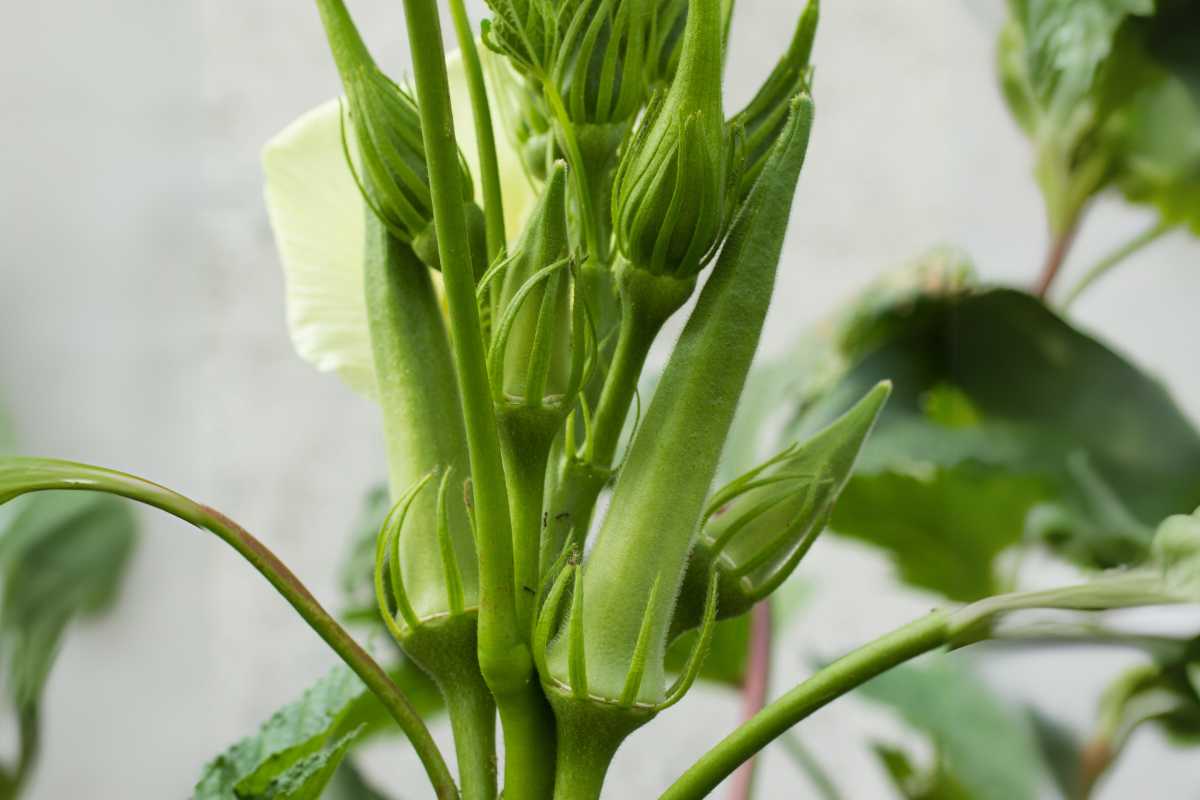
x: 317, y: 215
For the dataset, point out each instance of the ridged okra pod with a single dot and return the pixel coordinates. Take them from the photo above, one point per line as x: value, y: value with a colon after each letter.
x: 605, y: 669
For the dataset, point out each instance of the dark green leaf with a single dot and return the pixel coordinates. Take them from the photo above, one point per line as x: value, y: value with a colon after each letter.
x: 986, y: 749
x: 315, y: 724
x: 357, y: 570
x: 727, y: 655
x: 1062, y: 753
x: 914, y: 783
x: 1000, y: 409
x: 349, y: 784
x: 61, y: 555
x: 307, y: 778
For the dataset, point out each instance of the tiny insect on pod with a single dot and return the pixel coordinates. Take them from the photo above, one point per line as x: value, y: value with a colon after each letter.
x: 669, y: 197
x: 389, y: 157
x: 758, y: 527
x: 754, y: 129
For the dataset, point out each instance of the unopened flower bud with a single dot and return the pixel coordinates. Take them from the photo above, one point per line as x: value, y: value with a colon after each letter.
x: 669, y: 199
x: 758, y: 527
x: 759, y: 124
x: 538, y: 345
x: 600, y: 69
x: 391, y: 169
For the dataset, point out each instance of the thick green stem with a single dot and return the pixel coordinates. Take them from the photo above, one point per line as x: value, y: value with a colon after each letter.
x: 21, y: 475
x: 525, y: 438
x: 1060, y: 245
x: 822, y: 688
x: 489, y: 169
x: 472, y: 712
x: 1115, y: 258
x: 503, y: 654
x: 529, y: 743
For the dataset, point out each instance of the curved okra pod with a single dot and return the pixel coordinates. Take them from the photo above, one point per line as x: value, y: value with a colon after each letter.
x: 631, y: 578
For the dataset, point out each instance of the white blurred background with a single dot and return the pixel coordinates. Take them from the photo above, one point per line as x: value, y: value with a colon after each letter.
x: 142, y: 327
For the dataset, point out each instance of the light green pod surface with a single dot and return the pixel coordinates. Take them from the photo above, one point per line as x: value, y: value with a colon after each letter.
x: 661, y: 490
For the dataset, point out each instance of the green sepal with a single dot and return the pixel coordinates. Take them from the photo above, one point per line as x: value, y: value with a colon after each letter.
x: 764, y: 116
x: 759, y: 526
x: 660, y: 490
x: 600, y: 68
x: 390, y: 166
x: 531, y: 348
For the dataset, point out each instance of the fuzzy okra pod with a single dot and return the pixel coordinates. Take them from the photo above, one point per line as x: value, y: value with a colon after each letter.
x: 604, y: 673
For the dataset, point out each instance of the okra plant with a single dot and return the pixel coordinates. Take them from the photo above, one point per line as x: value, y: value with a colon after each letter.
x: 527, y: 214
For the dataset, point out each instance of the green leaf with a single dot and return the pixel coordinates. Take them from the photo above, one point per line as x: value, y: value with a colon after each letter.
x: 1157, y: 129
x: 349, y: 784
x: 986, y: 748
x: 727, y: 654
x: 357, y: 570
x: 914, y: 783
x: 308, y: 777
x: 298, y: 730
x: 1062, y: 752
x: 316, y: 723
x: 1061, y: 81
x: 1004, y: 421
x: 1107, y: 89
x: 62, y: 556
x: 944, y: 529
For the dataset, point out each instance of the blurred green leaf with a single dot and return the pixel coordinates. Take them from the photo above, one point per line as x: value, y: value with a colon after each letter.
x: 1062, y: 752
x: 987, y: 751
x: 349, y: 784
x: 727, y: 655
x: 304, y: 737
x: 1106, y: 89
x: 357, y: 570
x: 914, y: 783
x: 1004, y: 421
x: 62, y: 556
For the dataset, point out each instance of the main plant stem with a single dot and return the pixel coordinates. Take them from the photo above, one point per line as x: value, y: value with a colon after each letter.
x: 504, y: 656
x: 827, y: 685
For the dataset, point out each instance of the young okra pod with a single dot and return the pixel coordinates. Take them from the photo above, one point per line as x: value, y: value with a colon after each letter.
x: 757, y: 528
x: 608, y: 664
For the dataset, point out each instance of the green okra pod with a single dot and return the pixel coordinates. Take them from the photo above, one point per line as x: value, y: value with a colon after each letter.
x: 661, y: 489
